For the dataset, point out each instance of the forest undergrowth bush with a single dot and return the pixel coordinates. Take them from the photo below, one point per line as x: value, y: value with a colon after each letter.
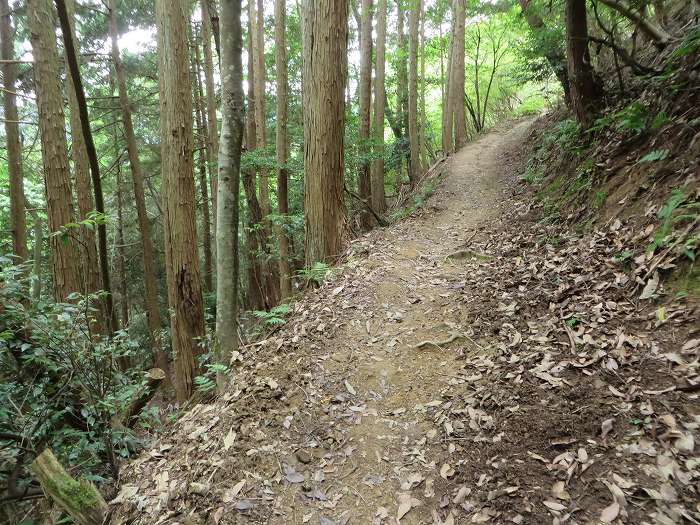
x: 62, y: 386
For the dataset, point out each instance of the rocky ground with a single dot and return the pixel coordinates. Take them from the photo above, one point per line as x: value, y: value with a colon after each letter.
x: 471, y: 364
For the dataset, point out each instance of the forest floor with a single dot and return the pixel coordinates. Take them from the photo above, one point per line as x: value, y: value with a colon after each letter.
x: 471, y: 364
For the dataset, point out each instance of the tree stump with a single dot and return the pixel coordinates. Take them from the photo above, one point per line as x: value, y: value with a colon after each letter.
x: 155, y: 377
x: 79, y: 498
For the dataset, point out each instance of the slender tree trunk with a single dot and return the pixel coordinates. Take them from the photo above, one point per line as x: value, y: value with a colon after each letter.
x: 365, y: 102
x: 83, y: 187
x: 457, y: 76
x: 148, y: 259
x: 270, y: 271
x: 282, y: 145
x: 37, y: 249
x: 655, y: 33
x: 213, y: 135
x: 423, y: 125
x: 214, y: 18
x: 18, y: 216
x: 227, y: 255
x: 54, y: 150
x: 402, y: 89
x: 257, y: 296
x: 377, y: 173
x: 181, y: 259
x: 260, y: 116
x: 121, y: 257
x: 448, y: 143
x: 65, y: 19
x: 325, y: 32
x: 414, y: 144
x: 203, y: 133
x: 584, y: 92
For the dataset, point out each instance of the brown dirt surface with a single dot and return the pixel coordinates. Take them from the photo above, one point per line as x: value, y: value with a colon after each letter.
x: 471, y: 364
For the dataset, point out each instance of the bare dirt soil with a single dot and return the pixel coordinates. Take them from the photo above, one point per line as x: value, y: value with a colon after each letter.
x: 471, y: 364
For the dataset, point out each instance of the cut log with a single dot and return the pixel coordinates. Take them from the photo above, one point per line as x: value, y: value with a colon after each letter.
x: 79, y: 498
x: 155, y: 377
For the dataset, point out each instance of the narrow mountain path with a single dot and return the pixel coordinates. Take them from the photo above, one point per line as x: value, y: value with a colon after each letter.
x: 399, y: 346
x: 471, y: 364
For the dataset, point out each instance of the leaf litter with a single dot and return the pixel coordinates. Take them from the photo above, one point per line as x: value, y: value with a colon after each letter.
x: 536, y: 383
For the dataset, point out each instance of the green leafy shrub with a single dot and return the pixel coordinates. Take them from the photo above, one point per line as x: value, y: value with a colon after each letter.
x: 678, y: 208
x: 274, y: 317
x: 61, y: 386
x: 316, y: 274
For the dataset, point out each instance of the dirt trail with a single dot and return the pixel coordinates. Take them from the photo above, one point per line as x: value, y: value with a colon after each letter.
x: 400, y: 348
x: 471, y: 364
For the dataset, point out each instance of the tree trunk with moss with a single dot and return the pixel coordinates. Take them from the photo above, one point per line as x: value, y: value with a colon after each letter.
x: 80, y: 498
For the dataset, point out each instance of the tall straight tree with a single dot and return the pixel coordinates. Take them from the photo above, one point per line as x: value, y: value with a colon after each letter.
x: 282, y: 144
x: 365, y: 102
x: 81, y: 130
x: 377, y: 173
x: 18, y: 215
x: 414, y: 164
x: 227, y: 261
x: 448, y: 142
x: 263, y: 283
x: 457, y: 76
x: 54, y: 149
x: 260, y: 118
x: 325, y: 35
x: 583, y: 89
x: 423, y: 125
x: 180, y: 232
x: 212, y: 122
x: 203, y: 150
x: 147, y: 252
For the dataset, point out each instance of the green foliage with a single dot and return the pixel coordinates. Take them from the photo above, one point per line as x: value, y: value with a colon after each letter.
x: 206, y: 382
x: 689, y: 46
x: 678, y: 208
x: 533, y: 175
x: 566, y: 135
x: 635, y: 118
x: 274, y: 317
x: 624, y: 256
x: 599, y: 199
x: 61, y: 384
x: 418, y: 199
x: 654, y: 155
x: 317, y: 273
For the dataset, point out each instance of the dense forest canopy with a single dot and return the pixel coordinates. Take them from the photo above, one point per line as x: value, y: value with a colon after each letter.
x: 175, y: 173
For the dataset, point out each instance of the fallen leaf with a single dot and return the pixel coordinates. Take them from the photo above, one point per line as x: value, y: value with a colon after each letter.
x: 406, y: 503
x: 650, y: 287
x: 610, y: 512
x: 606, y: 427
x: 229, y: 439
x: 446, y: 471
